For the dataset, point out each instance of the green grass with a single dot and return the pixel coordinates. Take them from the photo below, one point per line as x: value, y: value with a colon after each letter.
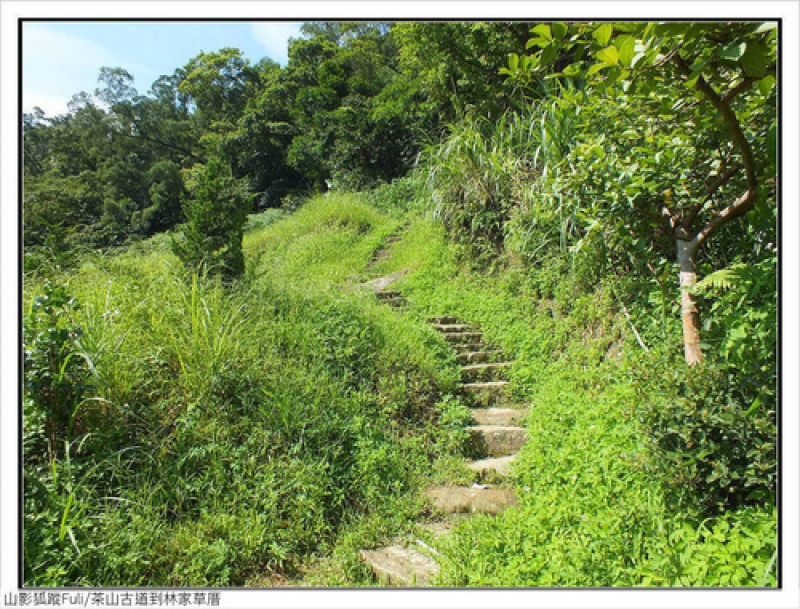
x: 252, y: 428
x: 267, y: 433
x: 592, y: 509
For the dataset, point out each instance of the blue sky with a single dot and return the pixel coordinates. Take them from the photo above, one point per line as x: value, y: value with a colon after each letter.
x: 60, y: 59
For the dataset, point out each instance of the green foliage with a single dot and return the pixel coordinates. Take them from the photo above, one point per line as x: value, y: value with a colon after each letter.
x: 712, y: 436
x: 743, y: 320
x: 400, y: 196
x: 586, y: 505
x: 259, y: 424
x: 625, y: 457
x: 216, y: 214
x: 56, y: 369
x: 273, y: 426
x: 738, y: 549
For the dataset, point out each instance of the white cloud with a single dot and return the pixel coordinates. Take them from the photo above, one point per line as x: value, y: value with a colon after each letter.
x: 274, y: 37
x: 55, y: 66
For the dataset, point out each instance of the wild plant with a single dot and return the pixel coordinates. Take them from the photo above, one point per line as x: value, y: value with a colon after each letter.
x: 56, y: 368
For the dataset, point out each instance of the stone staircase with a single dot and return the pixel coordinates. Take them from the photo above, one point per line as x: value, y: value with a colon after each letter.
x: 379, y: 285
x: 495, y: 437
x: 392, y: 298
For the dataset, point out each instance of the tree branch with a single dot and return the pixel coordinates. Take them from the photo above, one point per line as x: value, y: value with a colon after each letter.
x: 721, y: 180
x: 739, y: 207
x: 744, y: 203
x: 141, y: 134
x: 742, y: 86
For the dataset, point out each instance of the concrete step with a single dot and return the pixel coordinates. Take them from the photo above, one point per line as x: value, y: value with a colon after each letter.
x: 443, y: 319
x: 477, y: 357
x: 400, y: 566
x: 462, y: 337
x: 487, y: 393
x: 388, y: 294
x: 398, y: 302
x: 448, y: 328
x: 498, y: 416
x: 484, y: 372
x: 495, y: 440
x: 492, y: 468
x: 468, y: 347
x: 480, y: 498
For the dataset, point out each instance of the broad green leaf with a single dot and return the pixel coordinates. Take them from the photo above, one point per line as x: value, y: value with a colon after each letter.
x: 772, y: 142
x: 609, y: 55
x: 766, y: 84
x: 513, y: 62
x: 537, y: 42
x: 699, y: 65
x: 637, y: 58
x: 559, y: 30
x: 603, y: 34
x: 754, y: 60
x: 753, y: 407
x: 671, y: 28
x: 766, y: 27
x: 543, y: 30
x: 548, y: 54
x: 626, y: 45
x: 733, y: 51
x: 596, y: 68
x: 691, y: 82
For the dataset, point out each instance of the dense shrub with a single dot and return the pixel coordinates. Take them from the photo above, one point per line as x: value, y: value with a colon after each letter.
x: 712, y: 445
x: 56, y: 370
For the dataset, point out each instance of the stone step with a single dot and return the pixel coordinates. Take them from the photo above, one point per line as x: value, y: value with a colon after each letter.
x: 484, y: 372
x: 387, y: 294
x: 443, y: 319
x: 495, y: 440
x: 498, y: 416
x: 395, y: 302
x: 469, y: 347
x: 447, y: 328
x: 485, y: 394
x: 462, y: 337
x: 479, y: 498
x: 492, y: 468
x: 475, y: 357
x: 400, y: 566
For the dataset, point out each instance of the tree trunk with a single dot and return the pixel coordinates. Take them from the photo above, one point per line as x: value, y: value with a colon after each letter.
x: 687, y: 253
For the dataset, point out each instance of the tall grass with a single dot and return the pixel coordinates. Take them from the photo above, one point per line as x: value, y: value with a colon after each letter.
x: 234, y: 437
x: 232, y: 433
x: 486, y: 172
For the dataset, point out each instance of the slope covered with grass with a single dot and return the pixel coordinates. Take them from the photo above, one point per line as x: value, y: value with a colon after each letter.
x: 264, y: 434
x: 222, y: 437
x: 599, y: 503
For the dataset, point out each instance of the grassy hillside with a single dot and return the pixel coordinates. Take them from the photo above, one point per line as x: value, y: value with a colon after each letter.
x: 262, y: 435
x: 222, y: 437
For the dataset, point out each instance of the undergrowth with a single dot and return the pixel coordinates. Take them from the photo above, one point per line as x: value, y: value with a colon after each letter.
x: 266, y: 433
x: 603, y: 501
x: 229, y: 435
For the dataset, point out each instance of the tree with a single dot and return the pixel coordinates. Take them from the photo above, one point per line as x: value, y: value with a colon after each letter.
x: 118, y: 86
x: 218, y: 84
x: 709, y: 88
x: 216, y: 211
x: 458, y: 64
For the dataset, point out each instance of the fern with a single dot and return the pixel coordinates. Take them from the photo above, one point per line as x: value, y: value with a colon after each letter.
x: 736, y: 276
